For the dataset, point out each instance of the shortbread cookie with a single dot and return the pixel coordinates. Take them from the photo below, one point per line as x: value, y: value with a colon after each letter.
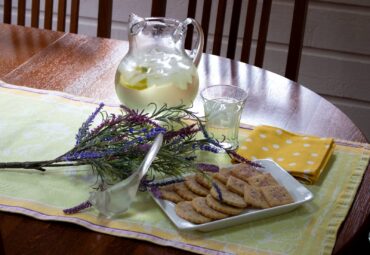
x: 276, y: 195
x: 170, y: 195
x: 262, y: 180
x: 236, y: 185
x: 244, y: 171
x: 194, y: 186
x: 184, y: 192
x: 222, y: 175
x: 227, y: 196
x: 200, y: 205
x: 186, y: 211
x: 203, y: 180
x: 253, y: 196
x: 221, y: 207
x: 169, y: 187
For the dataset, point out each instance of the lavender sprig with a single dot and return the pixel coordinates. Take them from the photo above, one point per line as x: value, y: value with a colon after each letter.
x: 218, y: 190
x: 239, y: 158
x: 78, y: 208
x: 116, y: 147
x: 208, y: 167
x: 146, y: 184
x: 136, y: 117
x: 155, y: 191
x: 183, y: 132
x: 84, y: 129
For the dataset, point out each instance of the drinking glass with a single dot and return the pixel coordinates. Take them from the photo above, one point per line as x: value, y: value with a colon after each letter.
x: 223, y: 106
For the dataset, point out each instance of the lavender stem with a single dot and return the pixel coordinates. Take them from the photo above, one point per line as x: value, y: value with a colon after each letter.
x: 37, y: 165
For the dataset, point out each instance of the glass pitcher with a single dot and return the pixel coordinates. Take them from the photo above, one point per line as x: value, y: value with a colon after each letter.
x: 156, y: 68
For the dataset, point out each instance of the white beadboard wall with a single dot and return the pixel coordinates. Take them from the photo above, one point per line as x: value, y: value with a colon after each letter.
x: 336, y: 56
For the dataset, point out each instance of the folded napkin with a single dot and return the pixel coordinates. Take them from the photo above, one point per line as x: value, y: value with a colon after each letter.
x: 304, y: 157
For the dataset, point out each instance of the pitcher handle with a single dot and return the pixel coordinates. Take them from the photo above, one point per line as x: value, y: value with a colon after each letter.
x: 196, y: 52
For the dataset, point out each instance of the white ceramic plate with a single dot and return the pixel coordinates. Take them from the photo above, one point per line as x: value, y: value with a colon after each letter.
x: 299, y: 193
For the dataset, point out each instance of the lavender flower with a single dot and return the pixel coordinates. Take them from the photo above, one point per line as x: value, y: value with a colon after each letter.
x: 145, y: 183
x: 144, y: 138
x: 218, y: 190
x: 208, y: 167
x: 83, y: 131
x: 183, y: 132
x: 148, y: 184
x: 234, y: 155
x: 154, y: 132
x: 78, y: 208
x: 109, y: 122
x: 119, y: 138
x: 135, y: 117
x: 155, y: 191
x: 74, y: 156
x: 143, y: 147
x: 205, y: 147
x: 167, y: 182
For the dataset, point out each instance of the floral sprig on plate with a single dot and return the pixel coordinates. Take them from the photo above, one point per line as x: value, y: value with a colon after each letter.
x: 116, y: 147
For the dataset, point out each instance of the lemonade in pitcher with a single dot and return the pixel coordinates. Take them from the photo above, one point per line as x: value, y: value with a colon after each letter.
x: 156, y: 68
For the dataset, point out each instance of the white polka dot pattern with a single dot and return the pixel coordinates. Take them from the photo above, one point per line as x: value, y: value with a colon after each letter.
x: 293, y: 152
x: 276, y: 146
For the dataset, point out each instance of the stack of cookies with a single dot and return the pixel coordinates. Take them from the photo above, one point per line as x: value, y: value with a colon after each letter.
x: 201, y: 199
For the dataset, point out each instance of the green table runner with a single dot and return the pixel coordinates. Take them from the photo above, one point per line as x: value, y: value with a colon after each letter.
x: 40, y: 125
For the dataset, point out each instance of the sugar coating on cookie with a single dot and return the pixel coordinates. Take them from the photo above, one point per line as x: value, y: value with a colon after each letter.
x: 169, y: 187
x: 244, y: 171
x: 254, y: 197
x: 262, y: 180
x: 222, y: 175
x: 276, y: 195
x: 236, y: 185
x: 186, y: 211
x: 184, y: 192
x: 170, y: 195
x: 200, y: 205
x: 227, y: 196
x: 221, y: 207
x: 195, y: 187
x: 203, y: 180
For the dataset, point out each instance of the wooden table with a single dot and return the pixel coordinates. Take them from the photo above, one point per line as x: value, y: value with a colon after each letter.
x: 85, y: 66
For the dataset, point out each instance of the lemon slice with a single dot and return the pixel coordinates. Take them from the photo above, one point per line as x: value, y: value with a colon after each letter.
x: 138, y: 86
x: 138, y: 82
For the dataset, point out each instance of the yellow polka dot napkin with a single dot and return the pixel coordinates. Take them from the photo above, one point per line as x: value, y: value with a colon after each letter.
x: 304, y: 157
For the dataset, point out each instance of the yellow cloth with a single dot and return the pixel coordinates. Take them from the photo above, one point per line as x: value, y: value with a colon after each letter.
x: 304, y: 157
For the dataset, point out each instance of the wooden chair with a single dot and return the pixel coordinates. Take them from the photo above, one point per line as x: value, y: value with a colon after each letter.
x: 296, y: 35
x: 104, y: 15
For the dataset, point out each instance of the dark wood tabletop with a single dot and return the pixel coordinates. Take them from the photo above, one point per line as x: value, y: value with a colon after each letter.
x: 85, y: 66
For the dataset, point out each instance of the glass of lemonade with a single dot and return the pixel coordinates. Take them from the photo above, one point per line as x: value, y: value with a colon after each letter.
x: 223, y: 106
